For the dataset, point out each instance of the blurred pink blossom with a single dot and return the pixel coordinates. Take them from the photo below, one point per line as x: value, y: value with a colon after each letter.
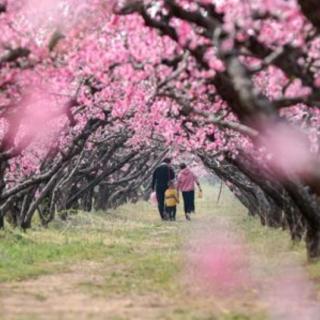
x: 288, y: 149
x: 218, y: 263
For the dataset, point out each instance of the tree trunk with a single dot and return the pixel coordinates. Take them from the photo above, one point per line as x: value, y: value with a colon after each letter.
x: 101, y: 197
x: 313, y: 243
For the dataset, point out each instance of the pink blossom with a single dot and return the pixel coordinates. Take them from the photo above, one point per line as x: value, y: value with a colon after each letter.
x: 218, y: 263
x: 289, y: 149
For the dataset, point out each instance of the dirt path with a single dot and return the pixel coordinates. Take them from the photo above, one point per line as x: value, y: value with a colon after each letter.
x: 59, y: 296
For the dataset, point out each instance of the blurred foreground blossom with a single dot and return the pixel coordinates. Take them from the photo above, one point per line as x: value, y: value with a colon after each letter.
x: 289, y: 150
x: 218, y: 262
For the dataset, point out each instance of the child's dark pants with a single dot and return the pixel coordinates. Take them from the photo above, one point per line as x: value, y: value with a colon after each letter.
x: 171, y: 212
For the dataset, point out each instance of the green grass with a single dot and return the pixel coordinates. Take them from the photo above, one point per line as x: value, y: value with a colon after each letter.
x: 23, y: 256
x: 93, y: 237
x: 44, y: 251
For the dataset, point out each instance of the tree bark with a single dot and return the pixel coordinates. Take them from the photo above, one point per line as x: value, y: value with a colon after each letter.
x: 311, y: 9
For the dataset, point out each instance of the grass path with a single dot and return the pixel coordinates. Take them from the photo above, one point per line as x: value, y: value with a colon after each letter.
x: 128, y: 265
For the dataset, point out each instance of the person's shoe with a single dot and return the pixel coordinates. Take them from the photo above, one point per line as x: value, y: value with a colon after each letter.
x: 188, y: 217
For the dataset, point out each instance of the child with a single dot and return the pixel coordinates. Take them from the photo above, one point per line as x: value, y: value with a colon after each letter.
x: 171, y: 200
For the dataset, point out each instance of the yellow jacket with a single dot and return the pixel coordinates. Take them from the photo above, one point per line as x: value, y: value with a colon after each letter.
x: 171, y: 198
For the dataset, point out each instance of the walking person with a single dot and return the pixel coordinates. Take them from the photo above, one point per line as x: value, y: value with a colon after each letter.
x: 186, y: 184
x: 160, y: 182
x: 171, y: 201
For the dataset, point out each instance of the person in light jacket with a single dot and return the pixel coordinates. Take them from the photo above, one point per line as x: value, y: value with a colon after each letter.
x: 186, y: 184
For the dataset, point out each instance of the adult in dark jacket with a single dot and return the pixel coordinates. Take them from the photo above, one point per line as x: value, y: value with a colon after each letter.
x: 160, y: 180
